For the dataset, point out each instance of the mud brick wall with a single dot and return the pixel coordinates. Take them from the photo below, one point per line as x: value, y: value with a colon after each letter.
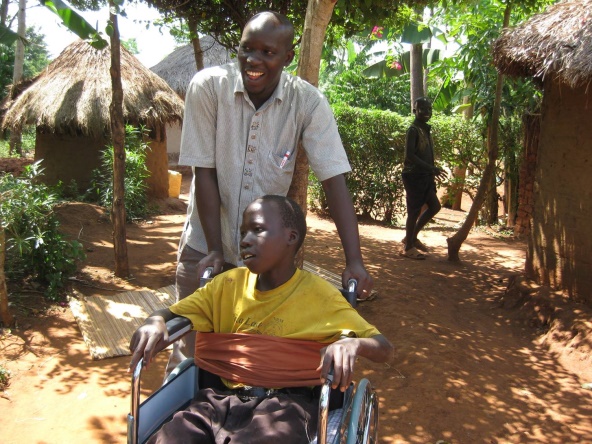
x: 532, y: 128
x: 67, y: 158
x: 559, y: 250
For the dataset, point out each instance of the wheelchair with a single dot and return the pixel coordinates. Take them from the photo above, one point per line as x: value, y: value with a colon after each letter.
x: 344, y: 418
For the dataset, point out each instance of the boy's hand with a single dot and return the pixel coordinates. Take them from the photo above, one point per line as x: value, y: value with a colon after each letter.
x: 145, y: 339
x: 342, y: 356
x: 440, y: 173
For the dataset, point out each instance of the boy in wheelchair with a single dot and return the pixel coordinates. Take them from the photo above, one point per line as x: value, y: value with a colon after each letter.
x: 271, y: 331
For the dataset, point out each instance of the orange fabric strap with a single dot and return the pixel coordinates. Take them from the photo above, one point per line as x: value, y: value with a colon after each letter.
x: 259, y: 360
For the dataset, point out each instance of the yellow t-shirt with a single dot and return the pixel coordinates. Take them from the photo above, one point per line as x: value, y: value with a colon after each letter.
x: 306, y: 307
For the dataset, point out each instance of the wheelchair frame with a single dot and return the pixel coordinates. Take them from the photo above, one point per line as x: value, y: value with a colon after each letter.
x: 359, y: 414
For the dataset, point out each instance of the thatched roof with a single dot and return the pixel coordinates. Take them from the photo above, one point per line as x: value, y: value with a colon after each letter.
x: 178, y: 68
x: 72, y: 95
x: 556, y: 43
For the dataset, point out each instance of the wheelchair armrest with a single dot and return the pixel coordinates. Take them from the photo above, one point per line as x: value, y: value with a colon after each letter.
x: 177, y: 328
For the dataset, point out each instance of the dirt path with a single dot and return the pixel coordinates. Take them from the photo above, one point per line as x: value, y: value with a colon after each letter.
x: 466, y: 370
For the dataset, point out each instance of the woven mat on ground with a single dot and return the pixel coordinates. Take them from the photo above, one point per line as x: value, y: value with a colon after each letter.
x: 108, y: 322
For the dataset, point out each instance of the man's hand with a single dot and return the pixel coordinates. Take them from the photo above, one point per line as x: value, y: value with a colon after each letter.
x: 144, y: 340
x: 340, y: 355
x: 358, y: 272
x: 214, y: 259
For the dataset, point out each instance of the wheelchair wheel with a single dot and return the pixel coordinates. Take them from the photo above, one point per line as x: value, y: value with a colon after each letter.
x: 363, y: 417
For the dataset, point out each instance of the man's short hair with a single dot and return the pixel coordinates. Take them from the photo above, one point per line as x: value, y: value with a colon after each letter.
x: 291, y: 214
x: 283, y: 21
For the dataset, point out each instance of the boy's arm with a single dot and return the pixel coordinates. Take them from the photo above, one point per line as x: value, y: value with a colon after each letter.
x: 343, y: 214
x: 342, y: 355
x: 145, y: 339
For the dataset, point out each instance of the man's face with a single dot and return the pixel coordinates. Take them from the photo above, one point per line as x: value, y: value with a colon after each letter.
x: 263, y: 52
x: 264, y: 239
x: 423, y: 111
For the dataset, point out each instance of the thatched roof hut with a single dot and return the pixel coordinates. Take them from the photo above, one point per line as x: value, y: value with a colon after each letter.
x: 178, y: 68
x: 555, y: 48
x: 556, y: 43
x: 69, y: 105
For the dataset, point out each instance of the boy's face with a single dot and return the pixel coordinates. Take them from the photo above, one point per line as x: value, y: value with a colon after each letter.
x: 265, y: 242
x: 423, y: 111
x: 263, y: 52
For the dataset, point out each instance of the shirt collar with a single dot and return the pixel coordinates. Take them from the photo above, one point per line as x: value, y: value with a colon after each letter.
x: 421, y: 124
x: 278, y: 93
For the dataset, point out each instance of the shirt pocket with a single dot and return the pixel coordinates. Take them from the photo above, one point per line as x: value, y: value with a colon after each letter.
x: 280, y: 159
x: 283, y: 143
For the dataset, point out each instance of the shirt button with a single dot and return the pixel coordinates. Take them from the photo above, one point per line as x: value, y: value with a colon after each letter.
x: 257, y: 114
x: 247, y: 187
x: 250, y: 161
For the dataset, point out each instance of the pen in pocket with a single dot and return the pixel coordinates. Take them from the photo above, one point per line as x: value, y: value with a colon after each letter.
x: 285, y: 159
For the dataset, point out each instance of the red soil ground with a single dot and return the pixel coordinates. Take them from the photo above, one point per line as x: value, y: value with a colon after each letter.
x: 475, y: 362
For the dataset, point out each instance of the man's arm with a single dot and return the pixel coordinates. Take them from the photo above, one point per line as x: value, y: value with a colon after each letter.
x: 145, y: 339
x: 343, y: 214
x: 342, y: 356
x: 207, y: 202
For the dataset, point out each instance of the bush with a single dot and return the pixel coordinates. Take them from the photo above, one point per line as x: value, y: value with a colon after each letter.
x: 136, y: 173
x: 28, y: 141
x: 375, y: 144
x: 35, y: 249
x: 4, y: 378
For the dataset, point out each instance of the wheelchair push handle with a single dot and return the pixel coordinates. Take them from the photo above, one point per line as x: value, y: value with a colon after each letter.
x: 206, y: 276
x: 351, y: 292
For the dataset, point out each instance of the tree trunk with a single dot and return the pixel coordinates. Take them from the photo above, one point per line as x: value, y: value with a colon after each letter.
x: 118, y: 139
x: 452, y: 197
x: 455, y: 190
x: 456, y: 241
x: 5, y: 316
x: 3, y: 11
x: 192, y: 24
x: 318, y: 15
x: 416, y: 55
x: 491, y: 200
x: 511, y: 190
x: 15, y: 144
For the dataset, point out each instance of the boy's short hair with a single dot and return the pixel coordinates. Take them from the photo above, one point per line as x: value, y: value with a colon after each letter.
x: 291, y: 214
x: 423, y: 100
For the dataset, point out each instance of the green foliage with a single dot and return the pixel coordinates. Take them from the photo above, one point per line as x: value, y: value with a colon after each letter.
x: 375, y: 144
x: 136, y: 173
x: 36, y: 59
x: 75, y: 23
x: 35, y: 249
x: 131, y: 45
x: 28, y: 141
x: 4, y: 378
x: 353, y: 88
